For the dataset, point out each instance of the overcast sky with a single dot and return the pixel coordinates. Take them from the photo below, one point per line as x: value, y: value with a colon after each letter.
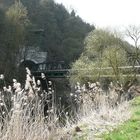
x: 105, y: 13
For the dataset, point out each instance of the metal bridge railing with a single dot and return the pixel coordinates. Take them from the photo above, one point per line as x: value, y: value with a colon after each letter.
x: 66, y: 72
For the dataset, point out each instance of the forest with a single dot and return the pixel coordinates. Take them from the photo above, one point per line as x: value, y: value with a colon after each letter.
x: 98, y: 98
x: 61, y: 31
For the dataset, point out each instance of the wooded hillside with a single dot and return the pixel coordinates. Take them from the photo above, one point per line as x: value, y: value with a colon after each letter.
x: 62, y: 32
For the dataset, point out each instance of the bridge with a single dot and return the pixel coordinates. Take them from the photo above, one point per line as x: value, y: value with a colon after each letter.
x: 51, y: 69
x: 60, y: 70
x: 37, y: 62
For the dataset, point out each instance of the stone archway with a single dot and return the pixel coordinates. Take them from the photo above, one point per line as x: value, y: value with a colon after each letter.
x: 28, y: 63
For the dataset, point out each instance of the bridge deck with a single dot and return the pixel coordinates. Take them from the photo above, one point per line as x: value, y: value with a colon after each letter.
x: 53, y: 73
x: 63, y: 73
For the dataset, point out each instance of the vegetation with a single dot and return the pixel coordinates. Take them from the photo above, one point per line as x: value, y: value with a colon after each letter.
x: 104, y: 54
x: 44, y: 24
x: 30, y: 112
x: 13, y: 29
x: 131, y: 128
x: 33, y: 109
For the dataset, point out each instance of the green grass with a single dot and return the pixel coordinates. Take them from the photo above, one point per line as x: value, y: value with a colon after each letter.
x: 130, y: 130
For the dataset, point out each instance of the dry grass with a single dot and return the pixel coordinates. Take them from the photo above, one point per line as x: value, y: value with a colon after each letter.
x: 93, y: 122
x: 91, y: 109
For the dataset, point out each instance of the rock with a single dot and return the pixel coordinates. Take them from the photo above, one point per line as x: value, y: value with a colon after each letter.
x: 77, y: 129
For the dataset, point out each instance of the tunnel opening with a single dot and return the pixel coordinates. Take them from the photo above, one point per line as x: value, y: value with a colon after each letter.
x: 28, y: 63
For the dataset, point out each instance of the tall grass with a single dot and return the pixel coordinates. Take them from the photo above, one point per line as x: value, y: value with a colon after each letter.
x: 23, y: 116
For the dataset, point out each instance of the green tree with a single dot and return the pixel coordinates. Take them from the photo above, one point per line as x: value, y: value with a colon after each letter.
x: 59, y: 26
x: 102, y: 49
x: 72, y: 48
x: 16, y: 21
x: 2, y: 40
x: 2, y: 22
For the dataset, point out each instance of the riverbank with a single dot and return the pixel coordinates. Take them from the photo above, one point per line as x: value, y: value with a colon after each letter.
x: 96, y: 123
x: 130, y: 130
x: 122, y: 124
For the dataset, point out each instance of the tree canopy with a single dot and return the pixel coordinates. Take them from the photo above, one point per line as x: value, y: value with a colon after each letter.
x: 12, y: 35
x: 103, y: 49
x: 44, y: 24
x: 60, y: 26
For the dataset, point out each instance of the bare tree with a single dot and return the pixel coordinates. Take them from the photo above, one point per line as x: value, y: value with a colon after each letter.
x: 133, y: 32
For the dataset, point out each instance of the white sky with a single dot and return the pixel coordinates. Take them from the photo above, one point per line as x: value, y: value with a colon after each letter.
x: 106, y: 13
